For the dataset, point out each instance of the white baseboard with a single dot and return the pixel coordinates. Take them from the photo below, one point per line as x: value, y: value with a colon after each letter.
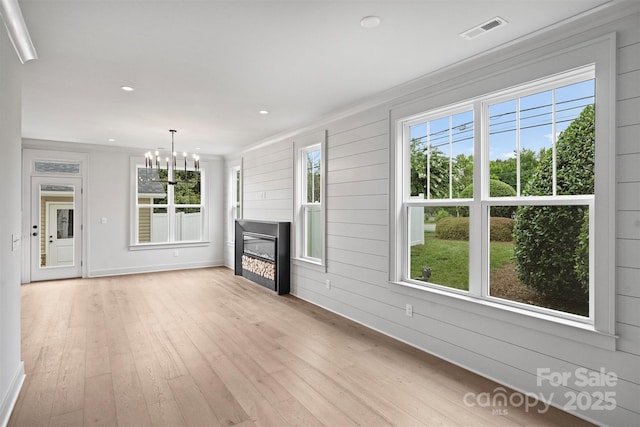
x: 10, y: 398
x: 153, y: 268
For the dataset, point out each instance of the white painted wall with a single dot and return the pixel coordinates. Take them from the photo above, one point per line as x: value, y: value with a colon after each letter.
x: 11, y: 367
x: 108, y: 195
x: 358, y: 201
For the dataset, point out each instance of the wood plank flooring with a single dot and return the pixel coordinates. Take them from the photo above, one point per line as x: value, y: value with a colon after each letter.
x: 206, y: 348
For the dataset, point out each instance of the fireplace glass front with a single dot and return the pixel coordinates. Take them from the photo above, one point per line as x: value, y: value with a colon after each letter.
x: 260, y: 246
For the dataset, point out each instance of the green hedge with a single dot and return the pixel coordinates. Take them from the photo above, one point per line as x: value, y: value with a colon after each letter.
x: 457, y: 228
x: 497, y: 188
x: 501, y: 229
x: 551, y: 242
x: 453, y: 228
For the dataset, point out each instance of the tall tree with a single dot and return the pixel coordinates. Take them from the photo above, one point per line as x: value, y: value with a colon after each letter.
x: 506, y: 170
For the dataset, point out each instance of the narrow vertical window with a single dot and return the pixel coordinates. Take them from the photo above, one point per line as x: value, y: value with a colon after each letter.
x: 312, y: 203
x: 235, y: 200
x: 309, y: 220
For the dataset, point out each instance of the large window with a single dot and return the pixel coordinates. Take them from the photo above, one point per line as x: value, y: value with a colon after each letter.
x: 309, y: 221
x: 168, y: 213
x: 498, y: 197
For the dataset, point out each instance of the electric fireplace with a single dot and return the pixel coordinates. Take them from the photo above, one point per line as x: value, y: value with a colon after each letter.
x: 262, y: 253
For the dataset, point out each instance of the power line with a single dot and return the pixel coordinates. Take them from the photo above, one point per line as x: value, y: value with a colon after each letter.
x: 581, y: 106
x: 465, y: 128
x: 529, y: 127
x: 543, y: 106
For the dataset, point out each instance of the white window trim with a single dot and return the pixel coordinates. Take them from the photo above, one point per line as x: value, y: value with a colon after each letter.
x: 233, y: 188
x: 518, y: 72
x: 135, y: 164
x: 301, y: 145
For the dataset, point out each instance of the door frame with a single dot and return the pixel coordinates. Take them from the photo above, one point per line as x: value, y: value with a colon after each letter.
x: 37, y: 272
x: 31, y: 154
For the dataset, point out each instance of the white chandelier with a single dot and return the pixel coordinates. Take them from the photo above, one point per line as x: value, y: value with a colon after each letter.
x: 153, y: 162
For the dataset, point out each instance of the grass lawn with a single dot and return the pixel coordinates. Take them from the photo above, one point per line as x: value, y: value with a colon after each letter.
x: 449, y: 260
x: 449, y: 263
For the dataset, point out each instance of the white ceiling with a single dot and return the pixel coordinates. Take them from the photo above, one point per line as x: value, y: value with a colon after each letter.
x: 207, y: 67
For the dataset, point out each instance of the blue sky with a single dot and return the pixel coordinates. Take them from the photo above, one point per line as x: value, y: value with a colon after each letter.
x: 535, y: 123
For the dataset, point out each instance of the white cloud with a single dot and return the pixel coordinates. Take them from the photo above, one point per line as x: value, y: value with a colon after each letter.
x: 548, y: 136
x: 509, y: 155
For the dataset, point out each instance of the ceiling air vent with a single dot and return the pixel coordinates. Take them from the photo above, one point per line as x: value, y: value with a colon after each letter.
x: 492, y: 24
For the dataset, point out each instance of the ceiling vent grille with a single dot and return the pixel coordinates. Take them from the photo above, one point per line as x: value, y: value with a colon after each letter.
x: 492, y: 24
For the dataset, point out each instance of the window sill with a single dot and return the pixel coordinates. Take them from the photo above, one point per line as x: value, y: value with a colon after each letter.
x: 166, y: 245
x: 583, y: 333
x: 307, y: 263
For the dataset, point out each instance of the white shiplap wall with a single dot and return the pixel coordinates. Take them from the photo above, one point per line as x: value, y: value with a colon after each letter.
x: 268, y: 182
x: 358, y: 202
x: 628, y: 194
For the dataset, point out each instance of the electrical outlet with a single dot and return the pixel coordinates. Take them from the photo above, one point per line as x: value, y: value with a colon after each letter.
x: 409, y: 310
x: 328, y: 283
x: 176, y: 253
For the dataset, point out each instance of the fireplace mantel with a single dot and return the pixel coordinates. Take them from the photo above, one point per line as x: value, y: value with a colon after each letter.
x: 279, y: 234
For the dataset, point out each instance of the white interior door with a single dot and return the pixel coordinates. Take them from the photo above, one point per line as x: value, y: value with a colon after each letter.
x: 56, y: 242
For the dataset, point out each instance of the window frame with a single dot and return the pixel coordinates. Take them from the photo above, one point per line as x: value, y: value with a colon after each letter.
x: 486, y: 201
x: 234, y: 207
x: 601, y: 53
x: 136, y: 165
x: 302, y: 146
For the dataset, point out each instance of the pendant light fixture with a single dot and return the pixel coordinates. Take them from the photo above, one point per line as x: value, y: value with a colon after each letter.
x: 172, y: 164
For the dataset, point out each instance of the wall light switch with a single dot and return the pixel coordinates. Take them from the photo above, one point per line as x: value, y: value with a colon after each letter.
x: 103, y: 220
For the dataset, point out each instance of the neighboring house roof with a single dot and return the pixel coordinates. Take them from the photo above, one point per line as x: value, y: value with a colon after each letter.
x: 149, y: 183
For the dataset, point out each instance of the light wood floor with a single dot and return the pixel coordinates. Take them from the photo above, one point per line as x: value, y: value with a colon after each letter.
x: 206, y: 348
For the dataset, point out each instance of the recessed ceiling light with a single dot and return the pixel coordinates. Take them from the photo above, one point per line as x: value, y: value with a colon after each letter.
x: 370, y: 21
x: 111, y: 140
x: 197, y: 148
x: 127, y: 88
x: 263, y: 112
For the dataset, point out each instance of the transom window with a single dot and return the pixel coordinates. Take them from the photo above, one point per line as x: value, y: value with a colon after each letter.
x: 498, y: 197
